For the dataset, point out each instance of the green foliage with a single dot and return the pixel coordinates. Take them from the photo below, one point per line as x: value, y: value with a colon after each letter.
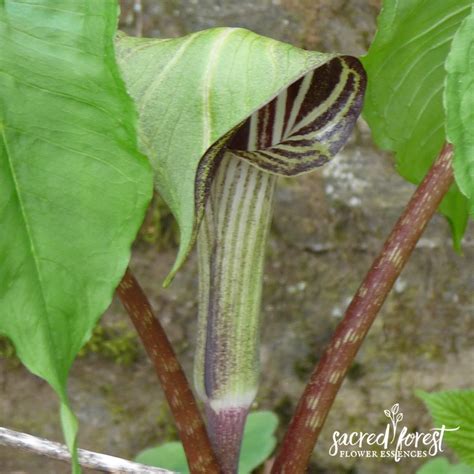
x: 167, y: 456
x: 452, y: 409
x: 443, y: 466
x: 258, y: 444
x: 191, y: 92
x: 404, y: 100
x: 115, y: 343
x: 74, y: 187
x: 459, y: 100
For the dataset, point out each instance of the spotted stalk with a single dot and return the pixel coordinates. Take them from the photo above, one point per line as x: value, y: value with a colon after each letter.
x: 327, y: 377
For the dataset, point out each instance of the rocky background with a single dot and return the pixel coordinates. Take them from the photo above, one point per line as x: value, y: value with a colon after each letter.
x: 328, y: 226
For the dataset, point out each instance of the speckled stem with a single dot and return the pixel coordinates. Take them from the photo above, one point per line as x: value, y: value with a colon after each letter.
x: 231, y: 248
x: 297, y: 446
x: 189, y: 423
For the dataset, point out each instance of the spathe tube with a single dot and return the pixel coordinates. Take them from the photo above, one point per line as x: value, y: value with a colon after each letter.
x: 300, y: 130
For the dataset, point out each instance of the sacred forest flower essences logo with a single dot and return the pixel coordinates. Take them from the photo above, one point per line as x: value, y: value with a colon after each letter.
x: 396, y: 441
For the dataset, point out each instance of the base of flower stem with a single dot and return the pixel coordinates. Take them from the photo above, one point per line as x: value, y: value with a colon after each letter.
x: 226, y: 428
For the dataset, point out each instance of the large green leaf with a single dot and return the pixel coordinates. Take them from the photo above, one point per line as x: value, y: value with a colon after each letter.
x: 454, y: 408
x: 459, y: 100
x: 193, y: 92
x: 404, y: 101
x: 73, y: 186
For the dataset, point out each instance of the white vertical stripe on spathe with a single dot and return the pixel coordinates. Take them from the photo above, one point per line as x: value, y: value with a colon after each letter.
x: 303, y: 90
x: 279, y: 120
x: 325, y: 105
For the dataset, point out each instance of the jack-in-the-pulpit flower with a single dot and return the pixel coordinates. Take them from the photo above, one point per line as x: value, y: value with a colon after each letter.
x: 296, y: 132
x: 223, y: 113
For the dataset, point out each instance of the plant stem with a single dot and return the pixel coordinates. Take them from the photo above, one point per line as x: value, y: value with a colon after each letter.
x: 138, y: 10
x: 297, y: 446
x: 87, y: 459
x: 226, y: 429
x: 189, y: 423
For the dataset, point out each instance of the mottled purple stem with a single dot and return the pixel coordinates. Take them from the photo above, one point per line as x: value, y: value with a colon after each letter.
x: 314, y: 405
x: 226, y: 429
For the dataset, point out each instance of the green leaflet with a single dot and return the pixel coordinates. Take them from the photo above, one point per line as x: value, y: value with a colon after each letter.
x: 191, y: 92
x: 454, y: 408
x: 404, y: 102
x: 459, y: 103
x: 74, y: 188
x: 441, y: 465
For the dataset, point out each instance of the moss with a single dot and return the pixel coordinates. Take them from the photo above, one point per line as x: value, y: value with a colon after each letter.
x: 113, y: 342
x: 356, y: 371
x: 8, y: 352
x: 7, y: 349
x: 159, y: 228
x: 302, y: 368
x: 115, y: 405
x: 165, y: 424
x: 284, y: 408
